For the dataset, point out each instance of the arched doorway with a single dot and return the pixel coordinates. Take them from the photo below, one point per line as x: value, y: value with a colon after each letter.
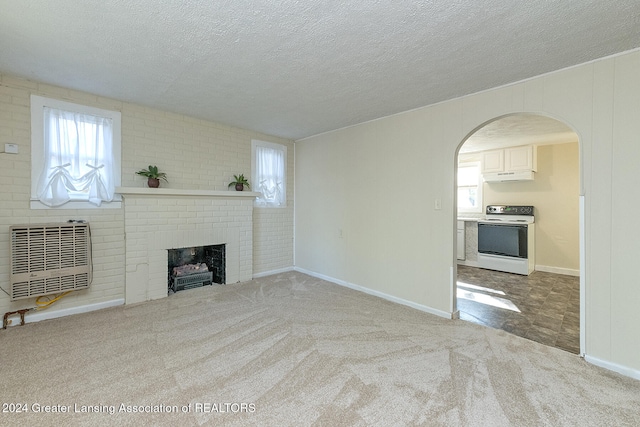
x: 547, y: 304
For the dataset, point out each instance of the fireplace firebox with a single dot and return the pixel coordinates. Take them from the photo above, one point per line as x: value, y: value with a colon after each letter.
x: 194, y: 267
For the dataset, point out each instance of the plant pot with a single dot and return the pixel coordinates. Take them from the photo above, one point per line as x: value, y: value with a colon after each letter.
x: 239, y: 187
x: 153, y: 182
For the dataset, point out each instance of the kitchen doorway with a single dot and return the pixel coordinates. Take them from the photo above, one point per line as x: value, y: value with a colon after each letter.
x: 544, y: 306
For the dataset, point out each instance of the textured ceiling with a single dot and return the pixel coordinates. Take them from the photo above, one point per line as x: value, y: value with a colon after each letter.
x: 519, y: 129
x: 295, y: 68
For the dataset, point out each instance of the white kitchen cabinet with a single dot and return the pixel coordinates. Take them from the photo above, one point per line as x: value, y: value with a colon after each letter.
x: 492, y: 161
x: 461, y: 244
x: 510, y: 159
x: 521, y: 158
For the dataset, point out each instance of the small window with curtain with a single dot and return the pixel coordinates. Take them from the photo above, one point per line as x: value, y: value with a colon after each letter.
x: 75, y: 154
x: 268, y: 167
x: 469, y: 187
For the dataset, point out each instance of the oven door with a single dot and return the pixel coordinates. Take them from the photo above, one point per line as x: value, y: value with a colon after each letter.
x: 502, y: 239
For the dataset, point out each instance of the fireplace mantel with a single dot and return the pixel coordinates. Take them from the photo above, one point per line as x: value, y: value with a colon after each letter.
x: 179, y: 192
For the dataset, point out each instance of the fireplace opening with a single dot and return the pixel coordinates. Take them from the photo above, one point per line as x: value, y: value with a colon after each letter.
x: 196, y: 266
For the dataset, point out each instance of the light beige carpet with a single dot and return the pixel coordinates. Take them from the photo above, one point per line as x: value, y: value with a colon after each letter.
x: 293, y: 350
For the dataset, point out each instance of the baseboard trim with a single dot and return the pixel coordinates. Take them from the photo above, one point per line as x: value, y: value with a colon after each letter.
x: 558, y: 270
x: 272, y: 272
x: 378, y: 294
x: 38, y: 316
x: 468, y: 263
x: 623, y: 370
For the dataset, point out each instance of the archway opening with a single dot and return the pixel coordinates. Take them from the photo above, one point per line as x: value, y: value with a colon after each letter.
x: 518, y: 269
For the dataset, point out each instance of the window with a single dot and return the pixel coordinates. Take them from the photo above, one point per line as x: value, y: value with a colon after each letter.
x: 268, y: 167
x: 75, y: 154
x: 469, y: 187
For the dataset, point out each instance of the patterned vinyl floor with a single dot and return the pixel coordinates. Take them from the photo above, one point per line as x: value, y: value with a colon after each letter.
x: 542, y: 307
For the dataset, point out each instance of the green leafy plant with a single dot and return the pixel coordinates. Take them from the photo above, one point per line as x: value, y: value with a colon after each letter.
x: 153, y: 173
x: 240, y: 182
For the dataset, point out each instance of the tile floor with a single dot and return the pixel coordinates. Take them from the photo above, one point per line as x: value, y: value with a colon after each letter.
x: 543, y: 307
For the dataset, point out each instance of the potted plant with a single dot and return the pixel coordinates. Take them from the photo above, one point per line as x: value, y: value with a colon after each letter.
x: 240, y: 182
x: 153, y: 176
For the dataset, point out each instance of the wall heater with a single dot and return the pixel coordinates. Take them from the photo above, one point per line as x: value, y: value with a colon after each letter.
x: 49, y: 258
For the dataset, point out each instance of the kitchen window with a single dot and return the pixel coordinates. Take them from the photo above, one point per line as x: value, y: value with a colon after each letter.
x: 75, y: 155
x: 269, y: 168
x: 469, y: 187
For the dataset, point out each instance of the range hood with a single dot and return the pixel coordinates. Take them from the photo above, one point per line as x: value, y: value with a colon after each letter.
x: 524, y: 175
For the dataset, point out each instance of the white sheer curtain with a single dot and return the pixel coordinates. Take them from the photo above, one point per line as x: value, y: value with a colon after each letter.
x: 78, y: 158
x: 270, y: 178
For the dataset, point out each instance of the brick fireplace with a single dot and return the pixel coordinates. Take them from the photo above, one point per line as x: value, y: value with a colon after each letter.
x: 157, y: 220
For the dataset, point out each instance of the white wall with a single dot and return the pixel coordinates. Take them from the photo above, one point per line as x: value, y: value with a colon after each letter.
x: 196, y: 154
x: 378, y: 183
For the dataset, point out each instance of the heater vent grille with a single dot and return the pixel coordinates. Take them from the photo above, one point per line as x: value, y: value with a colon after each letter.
x: 50, y: 258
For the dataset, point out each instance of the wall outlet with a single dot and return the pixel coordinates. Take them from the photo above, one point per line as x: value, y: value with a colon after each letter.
x: 437, y: 204
x: 11, y: 148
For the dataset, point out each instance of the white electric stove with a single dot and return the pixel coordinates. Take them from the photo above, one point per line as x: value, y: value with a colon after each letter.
x: 506, y: 239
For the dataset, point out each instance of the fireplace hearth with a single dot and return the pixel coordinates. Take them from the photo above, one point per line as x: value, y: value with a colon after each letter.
x: 194, y: 267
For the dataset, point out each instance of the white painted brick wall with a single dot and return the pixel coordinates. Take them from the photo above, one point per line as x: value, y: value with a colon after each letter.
x: 203, y: 221
x: 196, y: 154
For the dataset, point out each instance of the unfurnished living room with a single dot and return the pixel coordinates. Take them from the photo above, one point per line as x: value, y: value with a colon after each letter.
x: 319, y: 213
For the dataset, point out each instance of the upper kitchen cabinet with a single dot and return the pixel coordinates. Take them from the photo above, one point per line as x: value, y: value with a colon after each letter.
x: 510, y: 159
x: 521, y: 158
x: 492, y: 161
x: 510, y: 164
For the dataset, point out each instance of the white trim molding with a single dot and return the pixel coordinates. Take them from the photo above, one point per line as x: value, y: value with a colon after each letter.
x: 468, y: 263
x: 623, y: 370
x: 382, y: 295
x: 558, y: 270
x: 173, y: 192
x: 37, y: 316
x: 272, y: 272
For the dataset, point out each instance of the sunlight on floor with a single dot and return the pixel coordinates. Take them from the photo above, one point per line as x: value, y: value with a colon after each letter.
x: 480, y: 288
x: 485, y: 299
